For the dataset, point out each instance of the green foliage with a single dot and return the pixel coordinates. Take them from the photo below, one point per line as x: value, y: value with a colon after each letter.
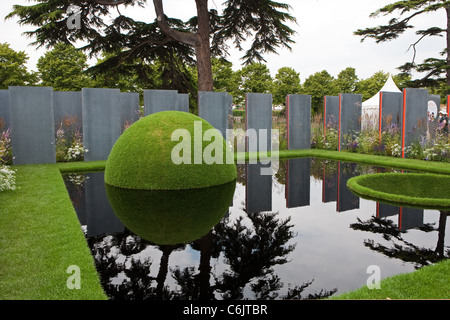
x: 63, y: 68
x: 319, y: 85
x: 347, y: 80
x: 435, y: 71
x: 13, y: 70
x: 224, y: 78
x: 134, y: 43
x: 287, y: 81
x: 263, y: 17
x: 370, y: 86
x: 255, y: 78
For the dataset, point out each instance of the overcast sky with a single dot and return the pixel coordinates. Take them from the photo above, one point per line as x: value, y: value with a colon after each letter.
x: 324, y: 39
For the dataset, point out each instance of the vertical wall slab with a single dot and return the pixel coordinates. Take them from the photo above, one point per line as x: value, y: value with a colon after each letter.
x: 386, y: 210
x: 32, y: 125
x: 258, y: 188
x: 330, y: 112
x: 298, y: 112
x: 298, y: 178
x: 346, y: 200
x: 67, y: 104
x: 350, y: 108
x: 214, y: 107
x: 164, y: 100
x: 414, y: 123
x: 5, y: 121
x: 258, y: 118
x: 183, y: 102
x: 129, y: 108
x: 101, y: 121
x: 410, y: 218
x: 391, y: 109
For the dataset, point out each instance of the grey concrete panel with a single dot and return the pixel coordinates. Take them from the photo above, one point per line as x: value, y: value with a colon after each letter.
x: 386, y: 210
x: 5, y: 118
x: 230, y: 110
x: 100, y: 217
x: 67, y: 104
x: 410, y: 218
x: 331, y: 112
x: 160, y: 100
x: 346, y: 200
x: 258, y: 189
x: 258, y: 116
x: 298, y: 111
x: 391, y: 110
x: 129, y: 108
x: 415, y: 107
x: 182, y: 102
x: 350, y: 109
x: 214, y: 107
x: 101, y: 121
x: 32, y: 125
x: 298, y: 185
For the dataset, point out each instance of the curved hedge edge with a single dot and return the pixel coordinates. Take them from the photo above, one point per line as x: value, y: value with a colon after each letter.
x: 354, y: 184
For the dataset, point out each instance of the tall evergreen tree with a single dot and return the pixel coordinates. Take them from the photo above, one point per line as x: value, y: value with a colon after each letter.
x: 287, y: 81
x: 435, y: 70
x: 262, y: 22
x: 13, y: 69
x: 63, y: 68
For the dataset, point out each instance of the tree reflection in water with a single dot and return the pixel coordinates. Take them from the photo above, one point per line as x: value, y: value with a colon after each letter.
x: 250, y: 252
x: 402, y: 249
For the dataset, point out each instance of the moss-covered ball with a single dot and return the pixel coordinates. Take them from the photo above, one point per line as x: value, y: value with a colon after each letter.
x: 170, y: 150
x: 420, y: 190
x: 169, y: 217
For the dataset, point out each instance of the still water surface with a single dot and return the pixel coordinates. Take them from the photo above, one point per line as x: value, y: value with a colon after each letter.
x: 297, y: 234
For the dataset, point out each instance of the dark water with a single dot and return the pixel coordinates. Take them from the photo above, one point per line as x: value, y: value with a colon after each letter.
x: 297, y: 234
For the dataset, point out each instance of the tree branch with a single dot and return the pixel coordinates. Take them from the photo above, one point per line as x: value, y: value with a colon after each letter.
x: 110, y: 2
x: 183, y: 37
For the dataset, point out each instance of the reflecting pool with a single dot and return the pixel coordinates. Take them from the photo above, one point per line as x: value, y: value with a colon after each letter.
x: 297, y: 234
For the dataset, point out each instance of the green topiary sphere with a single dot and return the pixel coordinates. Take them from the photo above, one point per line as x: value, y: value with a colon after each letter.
x: 170, y: 150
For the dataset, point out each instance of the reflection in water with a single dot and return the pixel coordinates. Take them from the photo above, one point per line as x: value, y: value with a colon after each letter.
x: 399, y: 247
x: 292, y: 245
x: 171, y: 216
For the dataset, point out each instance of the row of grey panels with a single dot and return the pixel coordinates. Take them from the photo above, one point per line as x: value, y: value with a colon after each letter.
x: 33, y: 113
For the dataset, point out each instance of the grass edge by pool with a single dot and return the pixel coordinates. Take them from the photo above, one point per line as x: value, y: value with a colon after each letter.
x: 41, y: 235
x: 422, y: 190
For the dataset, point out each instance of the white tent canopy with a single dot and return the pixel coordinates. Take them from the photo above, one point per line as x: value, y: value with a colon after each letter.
x: 371, y: 107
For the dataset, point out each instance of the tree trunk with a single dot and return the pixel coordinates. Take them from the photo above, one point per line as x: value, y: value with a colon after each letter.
x: 203, y: 48
x: 199, y: 41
